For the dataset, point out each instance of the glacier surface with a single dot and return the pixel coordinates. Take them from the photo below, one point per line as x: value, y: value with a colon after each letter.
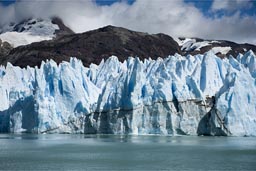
x: 177, y: 95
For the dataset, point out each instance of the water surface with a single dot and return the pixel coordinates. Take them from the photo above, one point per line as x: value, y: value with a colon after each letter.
x: 120, y: 152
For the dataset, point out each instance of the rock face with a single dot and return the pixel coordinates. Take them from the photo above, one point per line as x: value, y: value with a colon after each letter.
x: 63, y: 29
x: 192, y: 95
x: 5, y: 48
x: 93, y: 46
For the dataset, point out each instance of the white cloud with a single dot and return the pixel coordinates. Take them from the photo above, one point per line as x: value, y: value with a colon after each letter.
x: 172, y: 17
x: 231, y: 5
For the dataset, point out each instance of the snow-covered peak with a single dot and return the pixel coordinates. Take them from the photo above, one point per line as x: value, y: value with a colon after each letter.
x: 28, y: 31
x: 33, y: 26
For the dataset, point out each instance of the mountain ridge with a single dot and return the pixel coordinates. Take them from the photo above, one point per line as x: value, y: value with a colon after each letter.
x: 95, y: 45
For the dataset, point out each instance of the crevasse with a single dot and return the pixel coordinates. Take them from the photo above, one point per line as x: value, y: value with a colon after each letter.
x: 188, y: 95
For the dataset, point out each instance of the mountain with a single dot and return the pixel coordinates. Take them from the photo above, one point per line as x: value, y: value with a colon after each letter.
x: 95, y: 45
x: 178, y: 95
x: 29, y: 31
x: 33, y: 30
x: 196, y: 88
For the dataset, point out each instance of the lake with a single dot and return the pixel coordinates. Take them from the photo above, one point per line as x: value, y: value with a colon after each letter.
x: 125, y: 152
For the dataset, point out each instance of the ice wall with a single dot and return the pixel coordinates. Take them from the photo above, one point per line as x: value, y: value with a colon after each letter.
x: 192, y: 95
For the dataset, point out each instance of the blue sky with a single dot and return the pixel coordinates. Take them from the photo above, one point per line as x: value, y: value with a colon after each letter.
x: 233, y: 20
x: 100, y: 2
x: 205, y: 7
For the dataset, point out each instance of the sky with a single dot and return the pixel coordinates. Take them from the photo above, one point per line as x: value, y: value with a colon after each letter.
x: 233, y: 20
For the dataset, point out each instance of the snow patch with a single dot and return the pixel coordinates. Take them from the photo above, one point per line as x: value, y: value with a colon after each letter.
x: 189, y: 44
x: 24, y: 38
x: 222, y: 50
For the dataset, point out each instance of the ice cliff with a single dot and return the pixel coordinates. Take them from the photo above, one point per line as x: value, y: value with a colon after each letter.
x: 192, y: 95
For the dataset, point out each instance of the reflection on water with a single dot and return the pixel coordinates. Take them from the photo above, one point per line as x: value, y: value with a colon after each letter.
x: 125, y: 152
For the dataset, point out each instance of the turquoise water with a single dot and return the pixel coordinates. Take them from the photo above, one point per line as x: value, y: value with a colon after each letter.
x: 110, y: 152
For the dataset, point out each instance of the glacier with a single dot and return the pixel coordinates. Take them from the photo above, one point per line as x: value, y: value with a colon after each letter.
x: 177, y: 95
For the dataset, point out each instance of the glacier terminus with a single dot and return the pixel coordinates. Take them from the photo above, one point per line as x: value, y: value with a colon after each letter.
x: 177, y: 95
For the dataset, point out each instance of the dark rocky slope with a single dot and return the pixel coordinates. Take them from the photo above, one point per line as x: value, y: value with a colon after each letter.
x: 93, y: 46
x: 5, y: 48
x: 63, y: 29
